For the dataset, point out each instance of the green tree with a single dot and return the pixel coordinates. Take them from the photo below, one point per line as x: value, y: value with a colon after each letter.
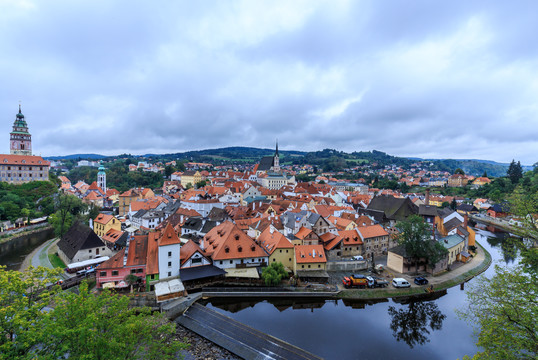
x: 23, y: 295
x: 131, y: 280
x: 76, y: 325
x: 414, y: 235
x: 524, y: 205
x: 274, y: 273
x: 503, y: 310
x: 459, y: 171
x: 453, y: 204
x: 515, y: 172
x: 201, y: 184
x: 485, y: 174
x: 67, y: 207
x: 168, y: 171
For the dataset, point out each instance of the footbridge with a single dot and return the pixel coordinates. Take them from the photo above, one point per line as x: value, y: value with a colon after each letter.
x: 238, y: 338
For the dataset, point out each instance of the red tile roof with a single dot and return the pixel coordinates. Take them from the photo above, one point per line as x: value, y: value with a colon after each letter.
x: 23, y: 160
x: 372, y: 231
x: 271, y: 241
x: 227, y: 241
x: 309, y: 254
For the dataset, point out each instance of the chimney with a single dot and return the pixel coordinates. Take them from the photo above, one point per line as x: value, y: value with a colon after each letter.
x: 428, y: 196
x: 465, y: 221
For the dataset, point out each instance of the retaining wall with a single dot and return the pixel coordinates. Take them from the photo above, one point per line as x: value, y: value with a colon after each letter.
x: 28, y: 239
x: 350, y: 266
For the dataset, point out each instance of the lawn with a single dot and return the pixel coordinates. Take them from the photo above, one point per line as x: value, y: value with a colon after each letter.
x: 56, y: 261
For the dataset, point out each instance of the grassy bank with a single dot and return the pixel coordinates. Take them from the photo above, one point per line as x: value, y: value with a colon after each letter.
x: 56, y: 262
x: 390, y: 293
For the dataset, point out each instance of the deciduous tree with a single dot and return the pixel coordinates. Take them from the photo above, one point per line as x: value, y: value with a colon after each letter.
x: 274, y: 273
x: 503, y: 310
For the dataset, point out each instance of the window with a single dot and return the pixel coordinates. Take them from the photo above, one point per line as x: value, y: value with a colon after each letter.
x: 133, y: 271
x: 169, y: 264
x: 289, y: 259
x: 280, y: 250
x: 152, y: 277
x: 169, y: 274
x: 139, y: 270
x: 90, y: 250
x: 169, y: 254
x: 196, y: 260
x: 102, y: 273
x: 231, y: 261
x: 319, y: 266
x: 302, y: 266
x: 114, y: 272
x: 309, y: 266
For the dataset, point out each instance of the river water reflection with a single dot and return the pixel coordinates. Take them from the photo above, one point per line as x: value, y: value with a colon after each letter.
x: 428, y: 329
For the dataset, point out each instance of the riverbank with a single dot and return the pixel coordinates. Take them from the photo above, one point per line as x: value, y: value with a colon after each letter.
x: 464, y: 273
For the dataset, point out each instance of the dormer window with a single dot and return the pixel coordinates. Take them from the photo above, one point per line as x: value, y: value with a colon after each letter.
x: 226, y: 249
x: 240, y: 249
x: 236, y: 237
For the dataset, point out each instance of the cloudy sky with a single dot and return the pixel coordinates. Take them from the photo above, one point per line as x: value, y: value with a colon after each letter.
x: 411, y: 78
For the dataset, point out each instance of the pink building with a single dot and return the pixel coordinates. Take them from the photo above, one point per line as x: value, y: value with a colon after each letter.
x: 115, y: 269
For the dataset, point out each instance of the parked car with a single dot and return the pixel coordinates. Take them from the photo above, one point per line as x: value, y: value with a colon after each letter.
x: 357, y: 257
x: 400, y: 283
x: 419, y: 280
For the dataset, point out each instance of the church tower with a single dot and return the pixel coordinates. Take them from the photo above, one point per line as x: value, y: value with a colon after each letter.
x: 276, y: 160
x: 101, y: 177
x: 20, y: 138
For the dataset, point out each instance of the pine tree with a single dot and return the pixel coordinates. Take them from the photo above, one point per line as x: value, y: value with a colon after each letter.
x: 515, y: 172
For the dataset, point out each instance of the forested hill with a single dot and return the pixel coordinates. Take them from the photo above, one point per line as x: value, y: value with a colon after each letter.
x: 325, y: 160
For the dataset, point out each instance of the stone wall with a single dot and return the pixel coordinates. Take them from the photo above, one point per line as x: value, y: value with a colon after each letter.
x: 347, y: 265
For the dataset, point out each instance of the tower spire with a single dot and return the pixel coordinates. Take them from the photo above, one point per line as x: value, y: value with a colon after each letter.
x: 276, y: 152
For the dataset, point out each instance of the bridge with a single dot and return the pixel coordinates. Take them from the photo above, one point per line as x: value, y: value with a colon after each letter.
x: 238, y: 338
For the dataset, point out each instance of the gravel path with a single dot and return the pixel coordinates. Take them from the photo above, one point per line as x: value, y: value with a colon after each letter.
x: 39, y: 257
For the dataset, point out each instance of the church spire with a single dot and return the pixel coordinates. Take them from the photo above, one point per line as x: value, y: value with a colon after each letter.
x: 276, y: 152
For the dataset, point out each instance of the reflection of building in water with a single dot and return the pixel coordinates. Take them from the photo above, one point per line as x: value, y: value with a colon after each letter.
x: 233, y: 305
x: 308, y: 304
x: 404, y: 300
x: 361, y: 304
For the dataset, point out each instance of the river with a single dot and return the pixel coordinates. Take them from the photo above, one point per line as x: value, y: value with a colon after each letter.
x: 358, y: 330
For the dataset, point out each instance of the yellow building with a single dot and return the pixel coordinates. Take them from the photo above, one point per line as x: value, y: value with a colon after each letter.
x: 190, y: 177
x: 103, y: 222
x: 309, y: 257
x: 279, y: 248
x: 455, y: 244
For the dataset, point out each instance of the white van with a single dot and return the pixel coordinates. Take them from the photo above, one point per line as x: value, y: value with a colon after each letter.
x: 357, y: 257
x: 400, y: 283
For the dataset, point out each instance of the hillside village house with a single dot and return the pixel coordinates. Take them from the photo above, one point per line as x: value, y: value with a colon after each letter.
x: 190, y: 178
x: 229, y: 247
x: 376, y: 240
x: 279, y: 248
x: 128, y: 261
x: 80, y: 243
x: 104, y: 222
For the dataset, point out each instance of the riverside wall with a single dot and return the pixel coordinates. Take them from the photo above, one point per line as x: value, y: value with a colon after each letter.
x: 28, y: 239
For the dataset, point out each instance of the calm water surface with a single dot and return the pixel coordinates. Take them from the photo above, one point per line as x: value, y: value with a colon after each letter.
x: 358, y: 330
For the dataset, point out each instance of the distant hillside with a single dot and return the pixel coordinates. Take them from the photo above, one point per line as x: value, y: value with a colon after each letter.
x: 325, y: 160
x: 77, y: 156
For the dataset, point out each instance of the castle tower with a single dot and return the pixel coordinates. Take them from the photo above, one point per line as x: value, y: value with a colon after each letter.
x: 20, y: 138
x: 276, y: 160
x: 101, y: 177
